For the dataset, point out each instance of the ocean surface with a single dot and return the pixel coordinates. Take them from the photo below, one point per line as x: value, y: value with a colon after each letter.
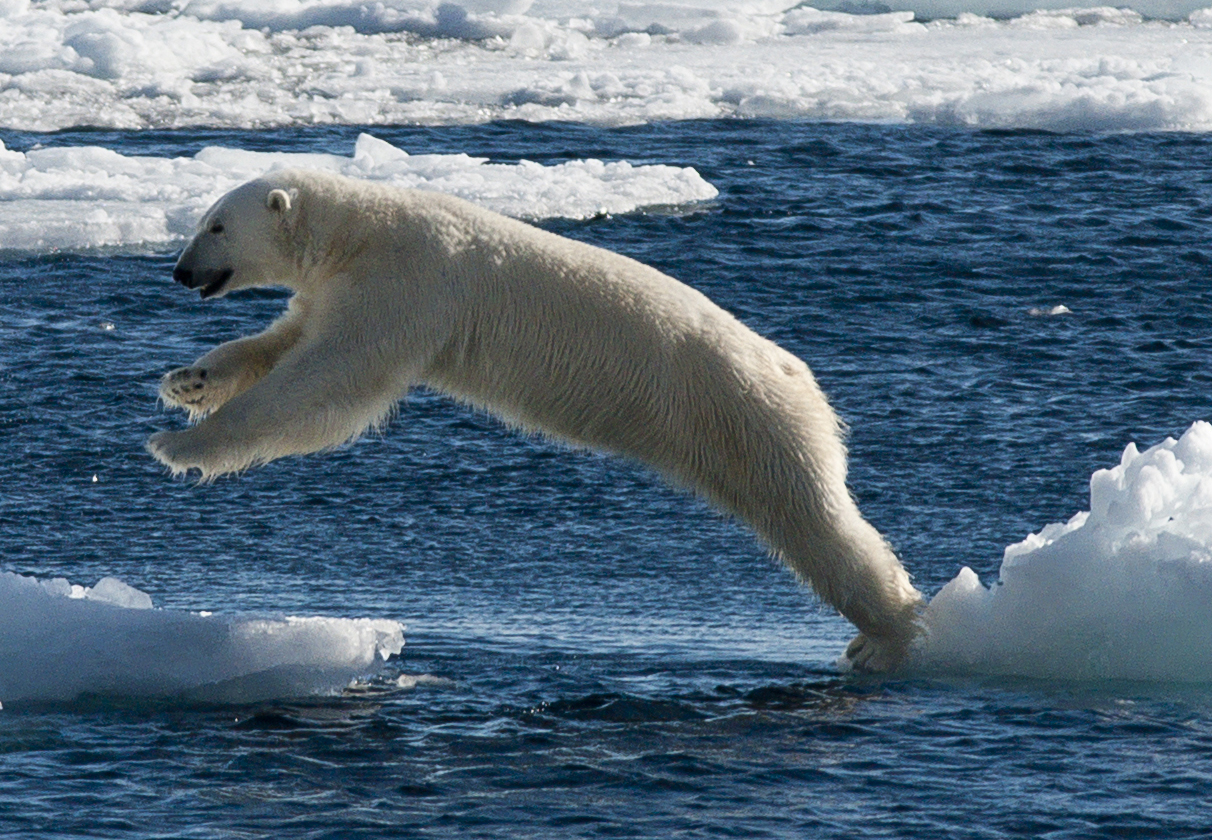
x: 984, y: 226
x: 588, y: 652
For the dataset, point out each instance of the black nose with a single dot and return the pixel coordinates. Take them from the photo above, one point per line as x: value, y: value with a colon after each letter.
x: 184, y: 276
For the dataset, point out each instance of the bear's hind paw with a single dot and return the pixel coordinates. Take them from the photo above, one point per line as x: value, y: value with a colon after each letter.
x: 869, y: 654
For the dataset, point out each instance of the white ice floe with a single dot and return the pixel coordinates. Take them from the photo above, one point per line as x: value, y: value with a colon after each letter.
x: 253, y: 63
x: 61, y: 641
x: 1122, y: 591
x: 57, y: 199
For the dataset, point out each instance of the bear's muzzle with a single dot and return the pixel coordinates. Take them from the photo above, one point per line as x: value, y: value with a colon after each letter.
x: 210, y: 282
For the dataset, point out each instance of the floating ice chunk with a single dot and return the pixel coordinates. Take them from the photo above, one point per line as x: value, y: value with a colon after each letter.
x: 1123, y: 591
x: 60, y: 641
x: 74, y: 198
x: 1049, y: 311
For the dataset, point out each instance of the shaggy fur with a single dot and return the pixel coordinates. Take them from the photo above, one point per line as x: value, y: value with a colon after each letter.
x: 396, y: 287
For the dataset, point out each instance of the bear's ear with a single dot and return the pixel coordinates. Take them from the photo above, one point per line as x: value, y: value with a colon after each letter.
x: 279, y: 200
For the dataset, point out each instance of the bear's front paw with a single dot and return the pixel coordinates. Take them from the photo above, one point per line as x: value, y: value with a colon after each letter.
x: 190, y: 388
x: 170, y: 449
x: 199, y: 448
x: 184, y: 451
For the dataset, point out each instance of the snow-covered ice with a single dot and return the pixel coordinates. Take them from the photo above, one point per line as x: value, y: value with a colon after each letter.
x: 169, y: 63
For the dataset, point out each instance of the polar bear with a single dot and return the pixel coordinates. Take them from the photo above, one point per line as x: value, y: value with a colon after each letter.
x: 395, y: 287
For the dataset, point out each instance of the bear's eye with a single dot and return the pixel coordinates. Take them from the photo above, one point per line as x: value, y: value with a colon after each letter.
x: 217, y: 227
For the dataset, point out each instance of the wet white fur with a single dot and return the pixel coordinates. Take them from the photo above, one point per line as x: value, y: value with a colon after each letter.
x: 396, y: 287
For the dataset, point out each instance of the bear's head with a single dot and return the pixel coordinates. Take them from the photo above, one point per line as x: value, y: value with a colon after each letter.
x: 243, y: 240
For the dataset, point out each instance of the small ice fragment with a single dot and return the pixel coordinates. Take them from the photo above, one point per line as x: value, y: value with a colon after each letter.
x: 110, y: 590
x: 410, y: 681
x: 1048, y: 311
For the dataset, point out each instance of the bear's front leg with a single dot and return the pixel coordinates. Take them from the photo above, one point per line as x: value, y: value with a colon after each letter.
x: 317, y: 397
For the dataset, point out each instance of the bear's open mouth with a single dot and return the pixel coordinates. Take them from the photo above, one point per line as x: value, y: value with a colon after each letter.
x: 213, y: 288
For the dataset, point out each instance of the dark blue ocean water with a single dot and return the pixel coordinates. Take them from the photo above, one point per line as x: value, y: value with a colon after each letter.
x: 624, y: 661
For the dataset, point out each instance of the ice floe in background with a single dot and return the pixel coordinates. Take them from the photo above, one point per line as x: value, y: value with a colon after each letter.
x: 74, y: 198
x: 253, y: 63
x: 59, y: 641
x: 1122, y: 591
